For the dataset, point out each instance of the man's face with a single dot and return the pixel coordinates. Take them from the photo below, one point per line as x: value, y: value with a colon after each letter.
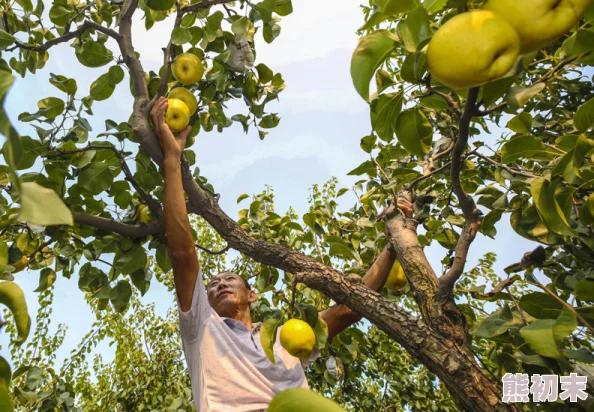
x: 228, y: 295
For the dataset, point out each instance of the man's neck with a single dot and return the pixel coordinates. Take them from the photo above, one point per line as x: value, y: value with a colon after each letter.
x: 244, y: 317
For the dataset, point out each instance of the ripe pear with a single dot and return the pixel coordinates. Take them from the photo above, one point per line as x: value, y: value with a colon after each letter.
x: 472, y: 49
x: 396, y: 279
x: 177, y: 115
x: 187, y: 68
x: 142, y: 214
x: 185, y: 96
x: 539, y: 22
x: 298, y: 338
x: 302, y: 400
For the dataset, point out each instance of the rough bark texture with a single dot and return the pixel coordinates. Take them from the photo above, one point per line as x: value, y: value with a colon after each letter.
x: 438, y: 340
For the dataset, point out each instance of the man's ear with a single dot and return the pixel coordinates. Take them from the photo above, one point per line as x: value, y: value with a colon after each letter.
x: 252, y: 297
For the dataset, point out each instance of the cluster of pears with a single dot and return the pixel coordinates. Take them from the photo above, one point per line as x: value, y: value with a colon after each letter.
x: 181, y: 102
x: 481, y: 46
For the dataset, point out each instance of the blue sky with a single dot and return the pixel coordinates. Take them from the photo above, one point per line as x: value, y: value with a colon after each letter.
x: 322, y: 122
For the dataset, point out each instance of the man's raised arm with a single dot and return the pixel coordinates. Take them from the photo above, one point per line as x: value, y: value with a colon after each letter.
x: 177, y: 224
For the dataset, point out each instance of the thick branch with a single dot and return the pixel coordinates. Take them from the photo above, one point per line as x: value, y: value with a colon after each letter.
x: 456, y: 369
x: 127, y: 50
x: 469, y: 209
x: 88, y: 24
x: 110, y: 225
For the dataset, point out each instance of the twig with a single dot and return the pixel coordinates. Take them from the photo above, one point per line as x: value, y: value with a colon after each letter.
x: 571, y: 308
x: 471, y: 213
x: 153, y: 203
x: 88, y: 24
x: 543, y: 79
x: 218, y: 252
x: 505, y: 167
x: 448, y: 98
x: 421, y: 178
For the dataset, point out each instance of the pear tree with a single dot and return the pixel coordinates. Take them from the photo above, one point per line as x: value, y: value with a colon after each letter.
x: 446, y: 167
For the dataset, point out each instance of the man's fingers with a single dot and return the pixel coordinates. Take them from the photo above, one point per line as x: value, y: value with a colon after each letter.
x: 183, y: 136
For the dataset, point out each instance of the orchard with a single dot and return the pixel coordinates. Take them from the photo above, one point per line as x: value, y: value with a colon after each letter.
x: 481, y: 116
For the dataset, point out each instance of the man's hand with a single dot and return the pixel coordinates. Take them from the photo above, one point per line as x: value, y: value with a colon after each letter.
x: 172, y: 146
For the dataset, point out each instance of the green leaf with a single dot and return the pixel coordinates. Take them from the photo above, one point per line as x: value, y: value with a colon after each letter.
x: 395, y: 7
x: 384, y: 112
x: 415, y: 29
x: 266, y: 8
x: 553, y: 216
x: 142, y: 280
x: 25, y: 4
x: 541, y: 305
x: 60, y: 15
x: 116, y: 74
x: 47, y: 277
x: 132, y: 260
x: 3, y: 256
x: 584, y: 290
x: 414, y: 131
x: 368, y: 143
x: 434, y: 6
x: 367, y: 167
x: 564, y: 325
x: 159, y: 5
x: 338, y: 249
x: 268, y: 331
x: 587, y: 211
x: 102, y: 88
x: 120, y: 295
x: 63, y: 83
x: 321, y: 332
x: 294, y: 226
x: 584, y: 116
x: 93, y: 54
x: 371, y: 52
x: 163, y: 258
x: 96, y: 177
x: 539, y: 336
x: 283, y: 7
x: 43, y: 206
x: 495, y: 324
x: 518, y: 96
x: 526, y: 147
x: 521, y: 123
x: 51, y: 107
x: 242, y: 197
x: 414, y: 68
x: 6, y: 39
x: 269, y: 121
x: 180, y: 35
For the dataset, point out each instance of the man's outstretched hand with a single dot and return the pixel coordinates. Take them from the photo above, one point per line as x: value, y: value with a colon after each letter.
x: 172, y: 146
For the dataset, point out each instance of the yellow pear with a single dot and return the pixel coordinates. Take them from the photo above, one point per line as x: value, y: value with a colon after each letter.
x: 187, y: 68
x: 396, y: 279
x: 185, y: 96
x: 472, y: 49
x: 143, y: 214
x: 177, y: 115
x: 539, y: 22
x: 20, y: 265
x: 298, y: 338
x: 302, y: 400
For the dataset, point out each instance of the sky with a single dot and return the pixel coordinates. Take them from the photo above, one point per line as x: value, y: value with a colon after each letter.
x: 322, y: 122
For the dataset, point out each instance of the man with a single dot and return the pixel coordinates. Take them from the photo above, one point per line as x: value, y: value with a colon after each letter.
x: 228, y: 368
